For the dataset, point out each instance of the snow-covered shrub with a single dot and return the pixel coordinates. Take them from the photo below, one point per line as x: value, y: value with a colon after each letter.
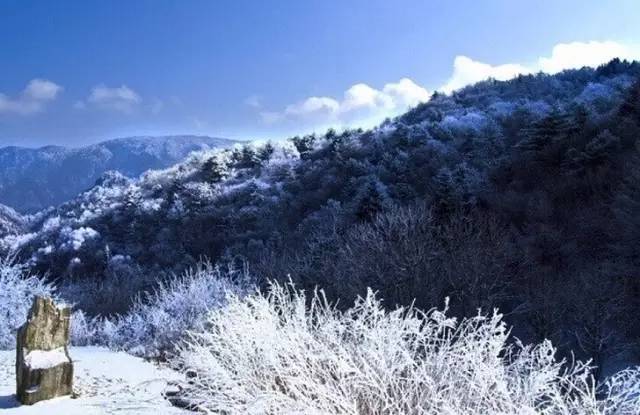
x: 73, y: 239
x: 83, y: 329
x: 17, y: 289
x: 158, y: 321
x: 286, y: 353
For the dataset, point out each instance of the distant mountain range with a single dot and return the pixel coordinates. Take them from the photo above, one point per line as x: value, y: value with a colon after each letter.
x: 35, y: 178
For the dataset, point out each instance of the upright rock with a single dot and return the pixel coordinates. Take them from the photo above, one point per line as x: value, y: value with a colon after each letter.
x: 43, y: 367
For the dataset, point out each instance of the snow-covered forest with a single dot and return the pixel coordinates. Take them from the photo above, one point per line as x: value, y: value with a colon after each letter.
x: 454, y: 259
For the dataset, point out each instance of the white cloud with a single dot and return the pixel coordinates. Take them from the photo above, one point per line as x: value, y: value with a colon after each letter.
x: 32, y: 99
x: 361, y: 96
x: 313, y: 105
x: 41, y: 90
x: 579, y: 54
x: 122, y: 99
x: 360, y: 104
x: 406, y: 92
x: 466, y: 71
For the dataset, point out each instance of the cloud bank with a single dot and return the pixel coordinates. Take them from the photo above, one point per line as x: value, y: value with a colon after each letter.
x: 577, y: 54
x: 563, y: 56
x: 363, y: 106
x: 33, y: 98
x: 360, y: 104
x: 466, y: 71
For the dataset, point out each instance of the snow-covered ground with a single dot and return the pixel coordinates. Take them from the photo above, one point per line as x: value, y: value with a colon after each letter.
x: 107, y: 383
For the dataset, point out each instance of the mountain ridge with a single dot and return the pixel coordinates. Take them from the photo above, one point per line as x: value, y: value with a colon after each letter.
x: 32, y: 179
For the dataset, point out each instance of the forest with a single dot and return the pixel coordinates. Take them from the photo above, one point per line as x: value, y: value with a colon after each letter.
x: 519, y: 195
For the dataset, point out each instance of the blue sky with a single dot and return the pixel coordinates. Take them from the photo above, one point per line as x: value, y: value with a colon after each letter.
x: 75, y: 72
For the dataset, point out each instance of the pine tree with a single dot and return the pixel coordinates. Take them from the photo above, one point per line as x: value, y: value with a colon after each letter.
x: 552, y: 129
x: 265, y: 152
x: 212, y: 171
x: 601, y: 147
x: 631, y: 106
x: 371, y: 199
x: 245, y: 158
x: 443, y: 191
x: 304, y: 145
x: 596, y: 153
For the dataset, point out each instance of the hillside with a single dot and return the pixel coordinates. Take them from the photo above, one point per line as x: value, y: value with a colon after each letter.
x: 11, y: 222
x: 33, y: 179
x: 521, y: 195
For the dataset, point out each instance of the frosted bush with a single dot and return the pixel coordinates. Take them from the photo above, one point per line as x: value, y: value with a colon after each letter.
x: 17, y: 289
x: 285, y: 353
x: 73, y: 239
x: 83, y: 329
x: 160, y: 319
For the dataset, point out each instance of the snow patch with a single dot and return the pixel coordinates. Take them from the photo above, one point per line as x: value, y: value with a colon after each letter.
x: 45, y: 359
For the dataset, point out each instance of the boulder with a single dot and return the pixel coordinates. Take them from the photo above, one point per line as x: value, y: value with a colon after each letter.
x: 44, y: 369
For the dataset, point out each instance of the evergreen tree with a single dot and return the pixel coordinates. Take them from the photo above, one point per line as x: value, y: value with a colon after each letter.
x: 265, y: 152
x: 371, y: 199
x: 443, y: 191
x: 304, y: 145
x: 550, y: 130
x: 601, y: 148
x: 245, y: 158
x: 213, y: 171
x: 631, y: 105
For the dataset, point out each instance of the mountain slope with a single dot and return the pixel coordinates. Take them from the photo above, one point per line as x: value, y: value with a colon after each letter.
x: 461, y: 151
x: 33, y: 179
x: 522, y: 195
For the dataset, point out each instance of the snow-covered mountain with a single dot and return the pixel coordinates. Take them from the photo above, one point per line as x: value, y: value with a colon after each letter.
x: 504, y: 193
x: 33, y: 179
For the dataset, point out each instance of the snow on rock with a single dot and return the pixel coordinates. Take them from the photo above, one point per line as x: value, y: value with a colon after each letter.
x: 106, y: 382
x: 41, y: 359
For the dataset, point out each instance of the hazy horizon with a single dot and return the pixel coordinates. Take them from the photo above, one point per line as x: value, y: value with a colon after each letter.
x: 111, y: 139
